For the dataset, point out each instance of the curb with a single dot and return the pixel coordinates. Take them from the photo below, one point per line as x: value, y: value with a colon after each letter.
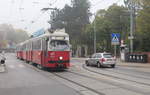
x: 134, y: 65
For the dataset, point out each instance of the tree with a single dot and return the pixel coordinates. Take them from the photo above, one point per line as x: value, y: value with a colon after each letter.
x: 74, y: 19
x: 113, y: 20
x: 21, y: 35
x: 143, y: 27
x: 10, y: 36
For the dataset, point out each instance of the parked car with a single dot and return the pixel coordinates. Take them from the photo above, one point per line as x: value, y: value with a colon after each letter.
x: 101, y: 59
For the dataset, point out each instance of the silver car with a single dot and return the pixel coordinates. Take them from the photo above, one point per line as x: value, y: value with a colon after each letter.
x: 101, y: 59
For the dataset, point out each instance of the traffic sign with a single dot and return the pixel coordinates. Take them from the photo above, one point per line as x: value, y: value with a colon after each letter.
x: 130, y: 37
x: 115, y: 38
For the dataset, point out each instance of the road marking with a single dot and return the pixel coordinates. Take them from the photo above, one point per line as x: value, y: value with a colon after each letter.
x: 2, y: 69
x: 11, y: 66
x: 21, y: 66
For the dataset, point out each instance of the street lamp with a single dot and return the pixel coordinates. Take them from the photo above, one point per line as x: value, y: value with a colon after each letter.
x: 94, y: 32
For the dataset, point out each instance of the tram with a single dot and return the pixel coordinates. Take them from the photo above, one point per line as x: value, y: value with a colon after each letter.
x: 50, y: 50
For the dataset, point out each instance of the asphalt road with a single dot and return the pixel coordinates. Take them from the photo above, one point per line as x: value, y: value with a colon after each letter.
x: 122, y: 80
x: 22, y: 79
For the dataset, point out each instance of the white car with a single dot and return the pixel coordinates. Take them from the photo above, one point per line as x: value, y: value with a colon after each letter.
x: 101, y: 59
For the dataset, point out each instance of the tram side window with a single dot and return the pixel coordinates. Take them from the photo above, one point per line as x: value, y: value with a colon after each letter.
x: 29, y: 46
x: 17, y: 48
x: 21, y: 48
x: 37, y: 45
x: 43, y: 44
x: 24, y: 47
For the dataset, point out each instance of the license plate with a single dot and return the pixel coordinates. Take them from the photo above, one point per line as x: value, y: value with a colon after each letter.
x: 109, y: 63
x: 109, y: 59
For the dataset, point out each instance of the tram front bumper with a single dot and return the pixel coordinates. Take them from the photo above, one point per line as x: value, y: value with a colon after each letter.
x: 59, y: 63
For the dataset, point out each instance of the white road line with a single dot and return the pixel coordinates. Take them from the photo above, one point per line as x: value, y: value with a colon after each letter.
x: 11, y: 66
x: 2, y: 68
x: 16, y: 66
x: 21, y: 66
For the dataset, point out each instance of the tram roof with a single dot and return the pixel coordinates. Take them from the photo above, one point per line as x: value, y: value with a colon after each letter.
x: 53, y: 34
x: 47, y: 34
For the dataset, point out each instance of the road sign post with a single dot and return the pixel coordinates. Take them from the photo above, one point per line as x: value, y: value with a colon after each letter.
x: 115, y: 40
x: 115, y: 50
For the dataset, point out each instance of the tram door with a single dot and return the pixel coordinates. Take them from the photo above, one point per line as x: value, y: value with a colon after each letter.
x: 44, y: 50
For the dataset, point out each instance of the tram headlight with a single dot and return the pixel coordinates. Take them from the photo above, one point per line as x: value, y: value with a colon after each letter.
x: 60, y: 58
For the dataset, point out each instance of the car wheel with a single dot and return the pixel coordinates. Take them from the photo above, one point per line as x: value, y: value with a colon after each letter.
x: 113, y: 66
x: 99, y: 65
x: 87, y: 63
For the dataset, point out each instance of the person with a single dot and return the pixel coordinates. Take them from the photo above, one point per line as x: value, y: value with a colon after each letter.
x: 2, y: 58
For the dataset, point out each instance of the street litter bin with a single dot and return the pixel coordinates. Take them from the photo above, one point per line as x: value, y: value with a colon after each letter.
x: 134, y: 58
x: 137, y: 58
x: 144, y: 58
x: 130, y: 58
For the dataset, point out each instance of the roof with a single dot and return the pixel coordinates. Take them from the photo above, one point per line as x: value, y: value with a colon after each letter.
x: 57, y: 33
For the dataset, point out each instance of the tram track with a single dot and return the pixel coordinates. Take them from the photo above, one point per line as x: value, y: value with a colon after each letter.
x: 108, y: 82
x: 111, y: 76
x: 133, y: 70
x: 127, y: 69
x: 46, y: 74
x: 135, y: 76
x: 63, y: 76
x: 86, y: 87
x: 93, y: 78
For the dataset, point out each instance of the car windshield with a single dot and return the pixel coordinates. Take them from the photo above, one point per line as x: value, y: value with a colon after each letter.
x: 107, y: 55
x: 58, y: 45
x: 98, y: 55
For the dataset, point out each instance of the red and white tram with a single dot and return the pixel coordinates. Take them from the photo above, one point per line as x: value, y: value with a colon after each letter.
x: 51, y: 50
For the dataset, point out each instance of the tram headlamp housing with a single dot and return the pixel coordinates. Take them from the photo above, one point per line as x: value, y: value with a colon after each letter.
x: 60, y: 58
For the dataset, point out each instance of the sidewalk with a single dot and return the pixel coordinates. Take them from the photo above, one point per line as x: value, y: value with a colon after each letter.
x: 129, y: 64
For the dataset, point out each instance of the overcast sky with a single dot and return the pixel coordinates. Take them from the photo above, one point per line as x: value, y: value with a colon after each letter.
x: 22, y: 13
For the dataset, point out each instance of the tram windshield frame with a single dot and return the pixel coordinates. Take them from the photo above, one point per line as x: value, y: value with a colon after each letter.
x: 58, y: 45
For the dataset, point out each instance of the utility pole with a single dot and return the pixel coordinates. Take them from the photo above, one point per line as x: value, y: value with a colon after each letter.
x: 131, y: 6
x: 131, y: 26
x: 95, y: 33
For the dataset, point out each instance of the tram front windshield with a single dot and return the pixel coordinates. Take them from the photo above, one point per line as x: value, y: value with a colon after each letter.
x: 58, y: 45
